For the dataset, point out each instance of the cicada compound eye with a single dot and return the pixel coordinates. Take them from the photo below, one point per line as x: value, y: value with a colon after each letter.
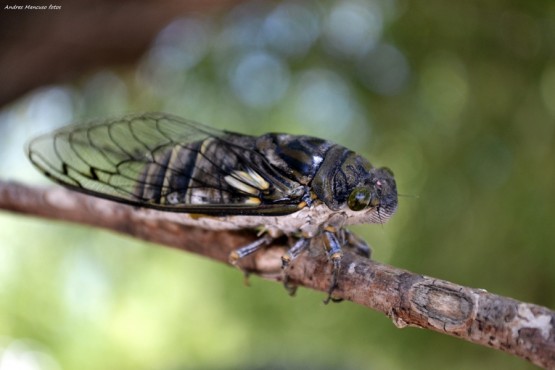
x: 359, y: 199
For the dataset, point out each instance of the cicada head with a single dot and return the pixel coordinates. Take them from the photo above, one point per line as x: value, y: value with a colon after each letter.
x: 377, y: 194
x: 348, y: 182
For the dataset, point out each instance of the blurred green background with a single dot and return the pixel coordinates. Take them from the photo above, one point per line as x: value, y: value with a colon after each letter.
x: 458, y: 98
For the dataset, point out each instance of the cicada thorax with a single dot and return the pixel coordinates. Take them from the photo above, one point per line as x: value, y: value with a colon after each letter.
x: 297, y: 157
x: 329, y: 171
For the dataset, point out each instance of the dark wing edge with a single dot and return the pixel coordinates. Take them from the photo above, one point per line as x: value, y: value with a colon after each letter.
x: 106, y: 159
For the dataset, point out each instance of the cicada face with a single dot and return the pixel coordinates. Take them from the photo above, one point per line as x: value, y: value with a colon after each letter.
x: 348, y: 182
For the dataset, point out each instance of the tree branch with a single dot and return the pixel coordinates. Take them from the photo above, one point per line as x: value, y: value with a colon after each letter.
x: 409, y: 299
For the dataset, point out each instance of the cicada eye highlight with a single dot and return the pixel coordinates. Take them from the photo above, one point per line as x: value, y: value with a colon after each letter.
x: 359, y: 199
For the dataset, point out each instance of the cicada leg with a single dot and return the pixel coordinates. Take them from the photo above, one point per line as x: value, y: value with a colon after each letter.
x: 333, y: 248
x: 334, y: 240
x: 293, y: 252
x: 238, y: 254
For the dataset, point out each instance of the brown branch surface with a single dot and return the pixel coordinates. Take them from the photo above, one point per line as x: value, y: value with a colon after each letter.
x: 409, y: 299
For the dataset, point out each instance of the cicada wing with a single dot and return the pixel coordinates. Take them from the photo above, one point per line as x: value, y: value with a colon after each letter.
x: 108, y: 157
x: 162, y: 161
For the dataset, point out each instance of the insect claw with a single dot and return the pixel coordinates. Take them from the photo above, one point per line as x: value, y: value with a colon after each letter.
x: 290, y: 287
x: 246, y: 276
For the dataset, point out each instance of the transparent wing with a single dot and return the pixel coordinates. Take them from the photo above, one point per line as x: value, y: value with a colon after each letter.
x: 162, y: 161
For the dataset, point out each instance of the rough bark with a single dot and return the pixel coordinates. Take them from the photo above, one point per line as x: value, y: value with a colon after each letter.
x: 409, y: 299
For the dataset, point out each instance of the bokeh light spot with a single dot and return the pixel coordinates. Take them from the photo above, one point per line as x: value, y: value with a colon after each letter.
x: 291, y: 29
x: 444, y: 87
x: 259, y: 79
x: 384, y: 70
x: 323, y: 101
x: 353, y: 28
x: 105, y: 93
x: 182, y: 44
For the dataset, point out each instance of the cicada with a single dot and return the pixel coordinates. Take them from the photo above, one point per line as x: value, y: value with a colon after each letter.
x: 300, y: 186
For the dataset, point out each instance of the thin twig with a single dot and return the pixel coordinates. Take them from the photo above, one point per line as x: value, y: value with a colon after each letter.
x: 409, y: 299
